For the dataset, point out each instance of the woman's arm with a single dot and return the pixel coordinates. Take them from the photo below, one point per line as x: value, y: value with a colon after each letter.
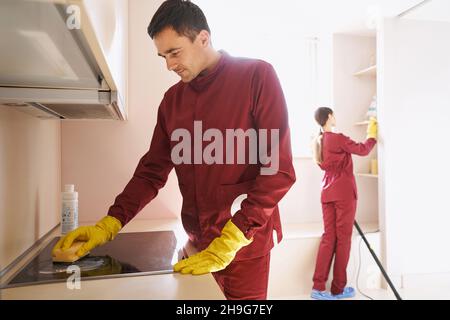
x: 360, y: 149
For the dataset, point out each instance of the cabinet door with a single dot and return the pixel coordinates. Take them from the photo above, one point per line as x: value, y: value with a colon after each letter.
x: 414, y: 112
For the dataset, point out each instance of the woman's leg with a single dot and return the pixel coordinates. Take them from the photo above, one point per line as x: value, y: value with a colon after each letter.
x: 326, y: 248
x: 345, y: 216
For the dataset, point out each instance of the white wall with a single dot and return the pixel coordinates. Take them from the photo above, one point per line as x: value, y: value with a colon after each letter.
x: 302, y: 202
x: 436, y: 10
x: 30, y: 167
x: 99, y: 157
x: 414, y: 112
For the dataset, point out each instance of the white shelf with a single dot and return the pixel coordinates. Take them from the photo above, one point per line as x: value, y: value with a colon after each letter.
x: 367, y: 175
x: 371, y: 71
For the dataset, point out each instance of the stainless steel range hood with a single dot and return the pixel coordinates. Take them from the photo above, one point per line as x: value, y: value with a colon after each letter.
x: 47, y: 103
x: 51, y: 69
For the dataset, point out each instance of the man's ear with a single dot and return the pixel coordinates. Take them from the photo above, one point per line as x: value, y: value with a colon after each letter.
x: 204, y: 38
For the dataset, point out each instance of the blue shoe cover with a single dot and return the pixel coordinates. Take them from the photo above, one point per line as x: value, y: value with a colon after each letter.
x: 348, y: 292
x: 322, y: 295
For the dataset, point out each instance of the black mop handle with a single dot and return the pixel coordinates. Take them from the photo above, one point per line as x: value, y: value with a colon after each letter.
x: 378, y: 262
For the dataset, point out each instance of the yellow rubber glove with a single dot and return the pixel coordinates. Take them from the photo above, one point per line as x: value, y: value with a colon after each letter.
x: 218, y: 255
x: 103, y: 231
x: 372, y: 128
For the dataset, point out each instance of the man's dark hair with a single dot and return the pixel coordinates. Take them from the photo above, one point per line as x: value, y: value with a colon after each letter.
x: 185, y: 17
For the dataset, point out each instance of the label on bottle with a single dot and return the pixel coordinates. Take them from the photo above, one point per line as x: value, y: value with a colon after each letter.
x: 69, y: 219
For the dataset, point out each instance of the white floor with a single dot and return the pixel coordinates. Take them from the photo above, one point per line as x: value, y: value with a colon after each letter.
x: 293, y: 263
x: 381, y: 294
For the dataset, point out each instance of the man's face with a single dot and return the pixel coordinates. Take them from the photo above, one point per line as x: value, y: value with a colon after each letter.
x: 182, y: 56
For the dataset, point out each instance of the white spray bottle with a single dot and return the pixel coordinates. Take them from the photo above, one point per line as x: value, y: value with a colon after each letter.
x: 69, y: 209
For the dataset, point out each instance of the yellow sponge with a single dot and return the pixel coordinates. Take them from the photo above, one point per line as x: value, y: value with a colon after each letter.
x: 68, y: 255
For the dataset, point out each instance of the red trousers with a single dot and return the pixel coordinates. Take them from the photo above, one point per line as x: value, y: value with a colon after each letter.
x: 338, y: 217
x: 246, y: 279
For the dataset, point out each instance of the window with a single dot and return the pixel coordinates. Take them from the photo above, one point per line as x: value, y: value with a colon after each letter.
x: 294, y: 56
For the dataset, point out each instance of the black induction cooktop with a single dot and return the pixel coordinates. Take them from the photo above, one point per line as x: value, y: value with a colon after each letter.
x: 129, y: 254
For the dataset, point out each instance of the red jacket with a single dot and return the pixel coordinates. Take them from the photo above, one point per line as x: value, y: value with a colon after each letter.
x: 339, y: 182
x: 237, y: 93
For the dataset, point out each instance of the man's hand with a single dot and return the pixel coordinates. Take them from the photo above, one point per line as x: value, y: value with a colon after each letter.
x: 104, y: 230
x: 218, y: 255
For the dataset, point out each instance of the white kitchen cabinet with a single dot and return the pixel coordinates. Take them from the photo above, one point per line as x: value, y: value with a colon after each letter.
x: 414, y: 112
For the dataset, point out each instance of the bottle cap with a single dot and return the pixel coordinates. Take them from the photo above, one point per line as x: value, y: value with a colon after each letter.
x: 69, y: 192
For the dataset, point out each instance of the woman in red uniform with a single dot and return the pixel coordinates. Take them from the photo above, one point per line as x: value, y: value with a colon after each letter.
x: 332, y: 152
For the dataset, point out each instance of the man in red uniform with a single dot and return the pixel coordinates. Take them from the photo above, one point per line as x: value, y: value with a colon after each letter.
x: 217, y: 93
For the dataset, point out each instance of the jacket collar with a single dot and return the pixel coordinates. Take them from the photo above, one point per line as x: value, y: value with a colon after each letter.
x: 202, y: 82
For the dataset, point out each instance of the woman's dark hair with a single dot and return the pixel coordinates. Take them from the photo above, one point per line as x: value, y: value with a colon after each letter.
x: 185, y: 17
x: 321, y: 115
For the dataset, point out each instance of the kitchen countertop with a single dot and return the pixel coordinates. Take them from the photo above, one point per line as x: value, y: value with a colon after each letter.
x: 162, y: 286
